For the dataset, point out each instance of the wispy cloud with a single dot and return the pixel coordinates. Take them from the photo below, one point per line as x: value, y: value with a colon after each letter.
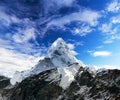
x: 111, y: 39
x: 111, y: 30
x: 24, y: 35
x: 24, y: 47
x: 101, y: 53
x: 71, y: 47
x: 81, y: 16
x: 115, y: 19
x: 11, y: 61
x: 18, y: 56
x: 7, y: 19
x: 72, y: 44
x: 108, y: 28
x: 75, y: 42
x: 82, y: 31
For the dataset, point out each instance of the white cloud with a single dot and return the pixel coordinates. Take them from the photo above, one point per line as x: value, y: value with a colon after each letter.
x: 11, y: 60
x: 74, y: 52
x: 111, y: 39
x: 4, y: 18
x: 101, y: 53
x: 92, y: 19
x: 79, y: 43
x: 111, y: 32
x: 71, y: 47
x: 81, y: 16
x: 108, y: 28
x: 114, y: 6
x: 115, y: 19
x: 82, y: 31
x: 76, y: 43
x: 8, y: 19
x: 5, y: 43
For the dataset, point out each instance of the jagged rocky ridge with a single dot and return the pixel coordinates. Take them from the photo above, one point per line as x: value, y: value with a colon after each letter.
x: 68, y: 79
x: 87, y: 85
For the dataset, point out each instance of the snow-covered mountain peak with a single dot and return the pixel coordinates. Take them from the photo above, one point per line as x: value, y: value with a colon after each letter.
x: 59, y: 47
x: 59, y: 56
x: 58, y: 43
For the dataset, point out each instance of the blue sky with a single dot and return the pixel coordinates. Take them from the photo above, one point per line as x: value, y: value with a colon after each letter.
x: 28, y: 28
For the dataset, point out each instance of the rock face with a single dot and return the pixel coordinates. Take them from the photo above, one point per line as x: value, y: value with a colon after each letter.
x: 4, y: 81
x: 5, y: 88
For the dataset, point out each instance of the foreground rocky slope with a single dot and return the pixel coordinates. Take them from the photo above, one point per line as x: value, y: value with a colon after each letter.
x: 104, y: 85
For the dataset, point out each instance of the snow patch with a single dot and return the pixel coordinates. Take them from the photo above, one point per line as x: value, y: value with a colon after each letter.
x: 68, y: 74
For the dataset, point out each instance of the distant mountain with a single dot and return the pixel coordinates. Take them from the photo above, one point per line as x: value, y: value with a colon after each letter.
x: 60, y: 76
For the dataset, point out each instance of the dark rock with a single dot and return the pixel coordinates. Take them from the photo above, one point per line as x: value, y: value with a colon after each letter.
x: 85, y: 78
x: 4, y: 81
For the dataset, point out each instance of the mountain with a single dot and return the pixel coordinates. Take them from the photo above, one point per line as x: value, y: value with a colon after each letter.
x: 59, y: 56
x: 60, y: 76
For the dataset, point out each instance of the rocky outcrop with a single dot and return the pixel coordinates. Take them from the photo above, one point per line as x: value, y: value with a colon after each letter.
x: 5, y: 88
x: 103, y: 86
